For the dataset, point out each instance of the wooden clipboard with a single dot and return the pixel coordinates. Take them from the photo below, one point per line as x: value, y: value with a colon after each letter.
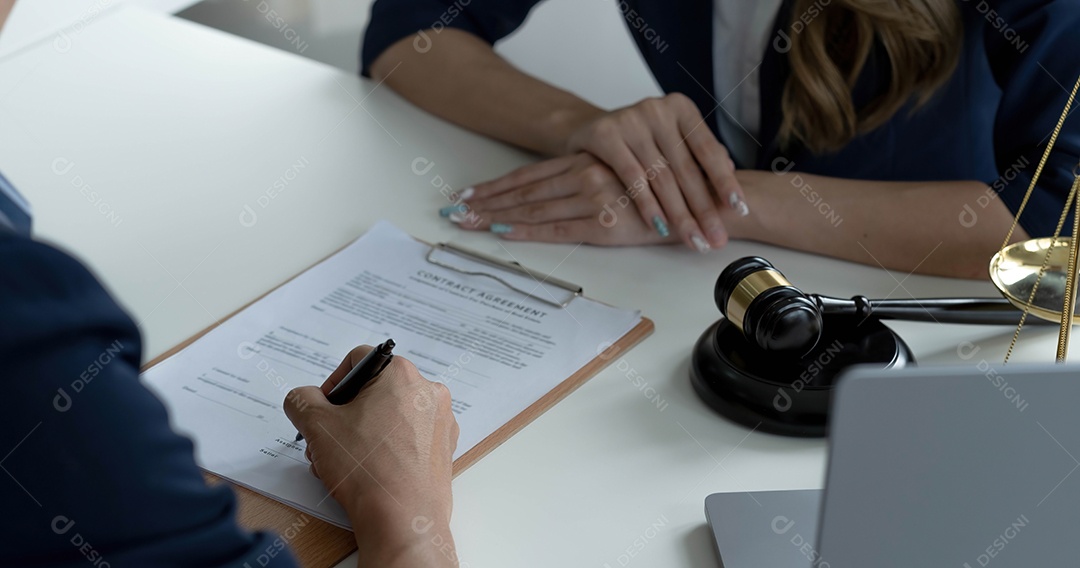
x: 322, y: 545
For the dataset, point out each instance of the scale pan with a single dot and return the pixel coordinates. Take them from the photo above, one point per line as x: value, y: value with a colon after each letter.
x: 1015, y: 268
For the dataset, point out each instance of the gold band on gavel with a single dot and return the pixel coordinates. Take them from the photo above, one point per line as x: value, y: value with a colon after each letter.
x: 748, y: 289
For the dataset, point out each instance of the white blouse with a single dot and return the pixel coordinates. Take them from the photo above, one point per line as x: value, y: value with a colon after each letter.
x: 741, y: 30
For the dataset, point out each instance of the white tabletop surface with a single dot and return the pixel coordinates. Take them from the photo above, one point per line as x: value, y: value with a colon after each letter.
x: 140, y: 146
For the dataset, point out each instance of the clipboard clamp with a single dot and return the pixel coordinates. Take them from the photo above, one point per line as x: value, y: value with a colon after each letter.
x: 573, y: 290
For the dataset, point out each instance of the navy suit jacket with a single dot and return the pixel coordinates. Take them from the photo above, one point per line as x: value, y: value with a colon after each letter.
x: 989, y: 123
x: 92, y: 474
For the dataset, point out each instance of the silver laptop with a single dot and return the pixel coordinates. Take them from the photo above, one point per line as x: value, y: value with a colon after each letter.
x: 960, y: 467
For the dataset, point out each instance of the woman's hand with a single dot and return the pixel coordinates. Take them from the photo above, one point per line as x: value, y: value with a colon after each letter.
x: 664, y: 153
x: 387, y: 457
x: 572, y: 199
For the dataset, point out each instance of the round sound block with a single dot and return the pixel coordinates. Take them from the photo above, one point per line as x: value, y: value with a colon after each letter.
x: 782, y: 394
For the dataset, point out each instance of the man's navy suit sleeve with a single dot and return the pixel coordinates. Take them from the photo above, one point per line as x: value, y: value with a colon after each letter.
x: 392, y: 20
x: 1032, y: 49
x: 90, y: 472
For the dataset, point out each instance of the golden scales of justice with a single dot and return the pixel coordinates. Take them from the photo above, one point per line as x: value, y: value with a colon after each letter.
x: 1039, y: 275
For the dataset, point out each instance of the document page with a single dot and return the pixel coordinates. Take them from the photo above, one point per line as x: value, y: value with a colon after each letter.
x: 498, y: 350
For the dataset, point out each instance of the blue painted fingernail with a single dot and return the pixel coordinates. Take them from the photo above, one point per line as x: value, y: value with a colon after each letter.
x: 661, y: 226
x: 447, y: 211
x: 501, y: 229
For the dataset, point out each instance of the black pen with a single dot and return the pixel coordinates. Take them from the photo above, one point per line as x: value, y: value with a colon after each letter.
x: 363, y: 373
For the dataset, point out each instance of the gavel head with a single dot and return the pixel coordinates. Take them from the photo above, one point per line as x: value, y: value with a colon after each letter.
x: 770, y: 312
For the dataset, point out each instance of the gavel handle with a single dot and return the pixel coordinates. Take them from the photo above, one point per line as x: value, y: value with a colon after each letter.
x: 991, y: 311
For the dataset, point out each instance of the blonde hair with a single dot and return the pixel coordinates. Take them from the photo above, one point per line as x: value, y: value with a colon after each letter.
x: 830, y: 45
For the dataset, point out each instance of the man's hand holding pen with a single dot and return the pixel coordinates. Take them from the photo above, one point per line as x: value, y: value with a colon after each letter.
x: 389, y: 450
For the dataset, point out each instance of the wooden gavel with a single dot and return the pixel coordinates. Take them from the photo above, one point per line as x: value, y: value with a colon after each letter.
x: 777, y: 316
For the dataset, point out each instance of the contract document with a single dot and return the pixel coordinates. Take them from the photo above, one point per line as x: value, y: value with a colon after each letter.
x: 499, y: 350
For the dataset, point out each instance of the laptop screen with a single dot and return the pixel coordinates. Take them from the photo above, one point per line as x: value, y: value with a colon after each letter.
x: 966, y: 467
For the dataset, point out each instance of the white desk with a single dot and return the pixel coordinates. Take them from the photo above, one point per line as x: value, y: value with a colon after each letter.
x: 30, y: 22
x: 177, y: 127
